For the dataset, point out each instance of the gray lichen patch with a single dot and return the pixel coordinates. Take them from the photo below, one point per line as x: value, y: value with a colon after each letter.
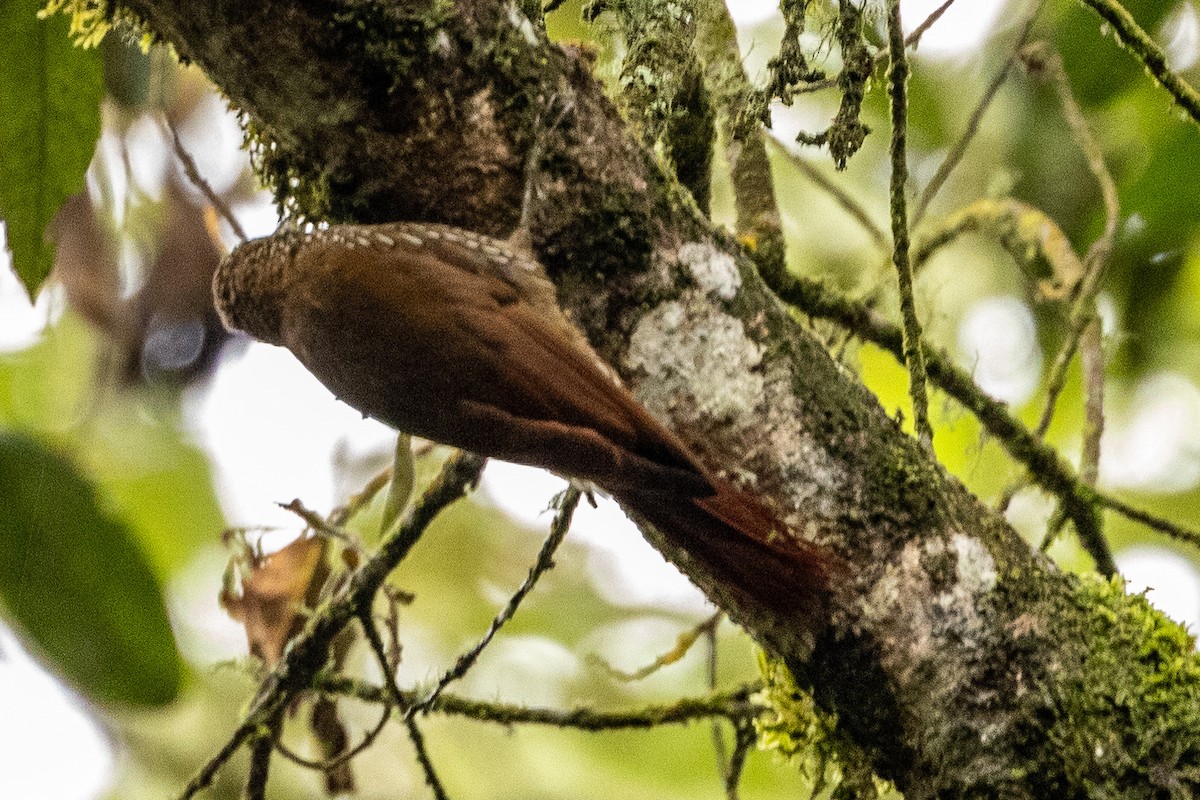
x: 928, y: 614
x: 523, y: 24
x: 698, y: 357
x: 804, y: 463
x: 976, y: 567
x: 713, y: 269
x: 705, y: 369
x: 928, y: 602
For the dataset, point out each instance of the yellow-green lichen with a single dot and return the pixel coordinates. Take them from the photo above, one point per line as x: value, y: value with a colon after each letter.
x: 794, y: 727
x: 1128, y: 719
x: 301, y: 194
x: 90, y: 19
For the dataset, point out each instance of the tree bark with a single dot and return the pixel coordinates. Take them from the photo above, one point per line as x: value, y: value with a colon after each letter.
x: 962, y: 663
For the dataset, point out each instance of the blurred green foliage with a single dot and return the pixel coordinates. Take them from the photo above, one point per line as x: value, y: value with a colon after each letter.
x: 135, y: 450
x: 76, y: 583
x: 50, y: 95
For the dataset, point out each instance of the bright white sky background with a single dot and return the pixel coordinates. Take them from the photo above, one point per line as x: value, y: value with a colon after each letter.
x: 258, y: 460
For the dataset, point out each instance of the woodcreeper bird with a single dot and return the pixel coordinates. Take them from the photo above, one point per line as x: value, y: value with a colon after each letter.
x: 456, y: 337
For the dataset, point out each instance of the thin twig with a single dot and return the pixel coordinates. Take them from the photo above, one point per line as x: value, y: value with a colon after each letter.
x: 250, y: 726
x: 320, y: 524
x: 839, y: 196
x: 914, y: 38
x: 1141, y: 45
x: 1151, y: 521
x: 260, y: 759
x: 1091, y: 354
x: 746, y: 738
x: 395, y: 598
x: 385, y: 666
x: 197, y: 180
x: 343, y: 757
x: 362, y: 498
x: 914, y: 356
x: 545, y: 560
x: 720, y: 750
x: 758, y: 215
x: 397, y: 699
x: 1046, y: 63
x: 731, y: 704
x: 418, y: 743
x: 683, y: 644
x: 1054, y: 526
x: 388, y: 666
x: 959, y: 149
x: 309, y: 651
x: 1010, y: 492
x: 1084, y: 328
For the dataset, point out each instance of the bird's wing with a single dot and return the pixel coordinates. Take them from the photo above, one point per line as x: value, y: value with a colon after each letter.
x: 457, y: 355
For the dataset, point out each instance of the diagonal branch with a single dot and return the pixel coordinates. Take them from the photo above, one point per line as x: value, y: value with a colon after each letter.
x: 1130, y: 34
x: 545, y: 560
x: 985, y: 101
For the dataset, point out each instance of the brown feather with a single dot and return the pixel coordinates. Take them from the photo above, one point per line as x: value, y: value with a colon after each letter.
x: 454, y: 337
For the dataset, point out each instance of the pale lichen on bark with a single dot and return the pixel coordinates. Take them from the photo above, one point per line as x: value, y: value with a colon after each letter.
x: 680, y: 338
x: 713, y: 269
x: 923, y: 619
x: 741, y: 393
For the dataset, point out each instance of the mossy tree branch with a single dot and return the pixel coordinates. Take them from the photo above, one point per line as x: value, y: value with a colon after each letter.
x: 962, y: 663
x: 1137, y: 41
x: 914, y: 348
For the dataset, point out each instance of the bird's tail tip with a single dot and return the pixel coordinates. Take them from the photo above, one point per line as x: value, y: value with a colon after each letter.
x: 748, y: 550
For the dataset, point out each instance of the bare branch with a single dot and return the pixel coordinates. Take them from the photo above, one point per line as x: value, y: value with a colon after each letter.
x: 197, y: 180
x: 545, y: 560
x: 308, y: 653
x: 731, y: 704
x: 431, y: 777
x: 959, y: 149
x: 260, y: 760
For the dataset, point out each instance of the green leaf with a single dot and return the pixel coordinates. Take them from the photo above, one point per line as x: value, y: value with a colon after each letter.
x: 400, y: 488
x: 76, y: 584
x: 50, y: 95
x: 131, y: 445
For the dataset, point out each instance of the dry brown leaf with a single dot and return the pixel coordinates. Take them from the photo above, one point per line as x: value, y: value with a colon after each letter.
x: 274, y: 595
x: 85, y: 263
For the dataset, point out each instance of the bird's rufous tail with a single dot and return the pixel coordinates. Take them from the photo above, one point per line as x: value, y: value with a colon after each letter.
x: 745, y: 546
